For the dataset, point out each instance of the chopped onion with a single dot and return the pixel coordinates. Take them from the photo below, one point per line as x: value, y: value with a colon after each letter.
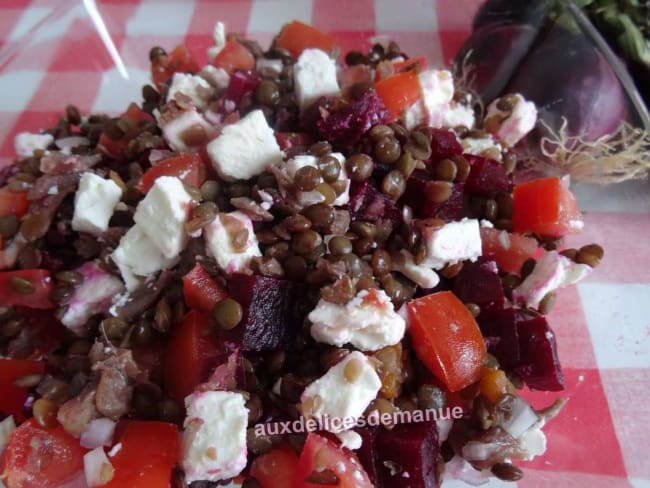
x: 97, y: 468
x: 523, y: 418
x: 157, y: 155
x: 459, y: 469
x: 98, y: 433
x: 7, y: 426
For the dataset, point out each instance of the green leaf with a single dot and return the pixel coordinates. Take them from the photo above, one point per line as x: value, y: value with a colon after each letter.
x: 632, y: 42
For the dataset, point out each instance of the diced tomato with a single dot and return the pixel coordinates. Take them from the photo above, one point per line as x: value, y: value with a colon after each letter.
x: 116, y: 148
x: 179, y: 60
x: 36, y: 457
x: 147, y: 455
x: 39, y: 298
x: 494, y: 384
x: 447, y: 339
x: 276, y: 468
x: 202, y: 292
x: 545, y: 207
x: 13, y: 203
x: 399, y: 92
x: 234, y: 56
x: 12, y: 397
x: 187, y: 167
x: 297, y: 36
x: 510, y: 251
x: 287, y: 140
x: 191, y: 353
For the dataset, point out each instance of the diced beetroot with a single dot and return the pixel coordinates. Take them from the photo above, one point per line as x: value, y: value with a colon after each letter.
x: 500, y: 327
x: 486, y: 177
x: 451, y: 209
x: 540, y: 366
x: 368, y: 203
x: 241, y: 84
x: 268, y: 305
x: 367, y: 454
x: 480, y: 283
x: 407, y: 456
x: 346, y: 125
x: 444, y: 144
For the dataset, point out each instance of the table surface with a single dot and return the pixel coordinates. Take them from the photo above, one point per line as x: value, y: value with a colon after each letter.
x: 94, y: 54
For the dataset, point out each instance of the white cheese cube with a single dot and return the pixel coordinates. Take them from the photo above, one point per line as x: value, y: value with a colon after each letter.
x: 214, y: 436
x: 174, y: 127
x: 94, y: 203
x: 368, y: 322
x: 451, y: 243
x: 314, y: 76
x: 196, y: 88
x: 512, y: 126
x: 343, y: 393
x: 244, y: 149
x: 459, y: 115
x: 26, y: 143
x: 162, y: 215
x: 437, y: 90
x: 419, y: 274
x: 219, y: 236
x: 552, y: 271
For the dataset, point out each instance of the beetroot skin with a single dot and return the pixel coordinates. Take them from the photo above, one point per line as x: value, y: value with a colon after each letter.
x: 268, y: 305
x: 539, y: 366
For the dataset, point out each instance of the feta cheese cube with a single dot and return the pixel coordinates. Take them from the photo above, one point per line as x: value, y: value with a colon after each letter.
x: 244, y: 149
x: 94, y: 203
x: 419, y: 274
x: 196, y: 88
x: 217, y: 77
x: 510, y: 127
x: 437, y: 89
x: 368, y: 322
x: 214, y: 436
x: 314, y: 76
x: 138, y: 255
x: 343, y: 393
x: 162, y: 214
x: 459, y: 115
x: 26, y: 143
x: 552, y: 271
x: 219, y: 235
x: 454, y: 242
x: 219, y: 38
x: 174, y: 126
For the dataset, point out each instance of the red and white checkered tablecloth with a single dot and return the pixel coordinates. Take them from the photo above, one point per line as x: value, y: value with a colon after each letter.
x: 51, y: 54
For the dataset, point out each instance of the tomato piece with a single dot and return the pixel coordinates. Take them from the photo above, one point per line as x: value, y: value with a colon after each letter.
x: 12, y: 397
x: 447, y: 339
x: 234, y: 56
x: 13, y: 203
x: 190, y: 355
x: 546, y: 207
x: 399, y: 92
x: 179, y: 60
x: 510, y: 251
x: 39, y: 298
x: 276, y: 468
x: 187, y: 167
x: 36, y: 457
x: 147, y: 455
x: 202, y: 292
x: 320, y: 453
x: 297, y: 36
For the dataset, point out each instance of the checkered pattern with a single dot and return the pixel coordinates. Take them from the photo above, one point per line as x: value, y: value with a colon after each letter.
x: 51, y: 54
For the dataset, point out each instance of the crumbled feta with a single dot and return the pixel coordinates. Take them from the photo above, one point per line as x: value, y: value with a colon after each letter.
x: 511, y: 127
x: 162, y: 215
x: 414, y: 115
x: 477, y: 146
x: 437, y: 89
x: 343, y: 393
x: 459, y: 115
x: 195, y: 87
x: 533, y: 441
x: 551, y: 271
x: 174, y: 127
x: 92, y: 296
x: 137, y: 255
x: 214, y: 436
x: 94, y: 203
x: 219, y: 236
x: 419, y: 274
x: 274, y: 65
x: 26, y: 143
x: 350, y: 439
x: 219, y: 38
x: 217, y: 77
x: 451, y: 243
x: 314, y: 76
x: 291, y: 167
x: 244, y: 149
x: 368, y: 322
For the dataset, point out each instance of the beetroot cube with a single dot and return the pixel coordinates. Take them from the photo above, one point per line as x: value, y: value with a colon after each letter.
x: 407, y: 456
x: 444, y: 144
x: 368, y: 203
x: 367, y: 454
x: 268, y: 312
x: 539, y: 366
x: 486, y: 177
x: 241, y: 84
x: 451, y: 209
x: 480, y: 283
x: 500, y: 327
